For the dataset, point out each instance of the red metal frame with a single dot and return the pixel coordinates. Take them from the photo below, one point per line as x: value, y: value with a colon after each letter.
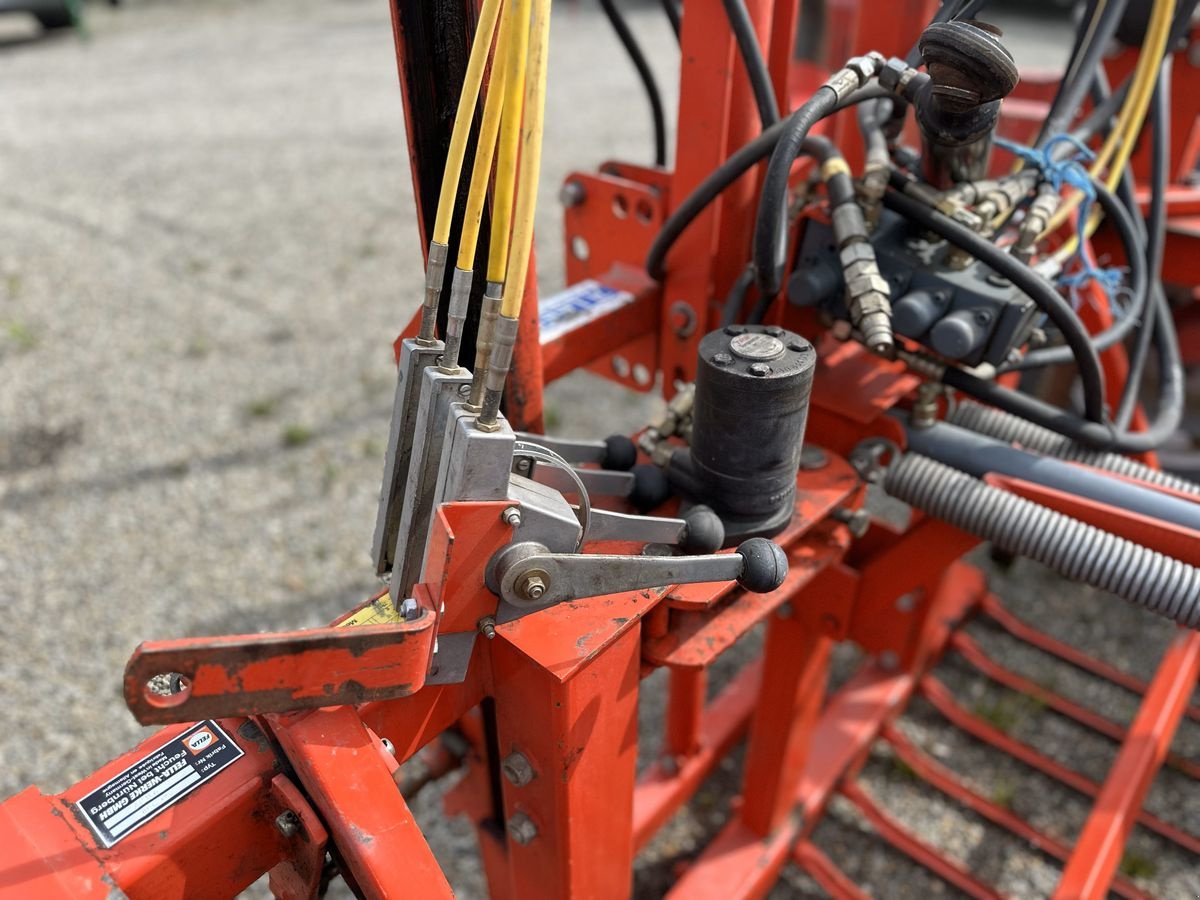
x: 559, y: 688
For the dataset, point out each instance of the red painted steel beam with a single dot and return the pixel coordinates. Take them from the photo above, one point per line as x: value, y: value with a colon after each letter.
x: 943, y: 701
x: 972, y: 653
x: 916, y: 849
x: 822, y: 870
x: 1102, y: 841
x: 667, y: 785
x: 1002, y: 616
x: 948, y: 783
x: 349, y: 778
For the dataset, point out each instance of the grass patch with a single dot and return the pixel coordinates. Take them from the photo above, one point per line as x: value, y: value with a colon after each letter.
x: 21, y: 336
x: 262, y: 408
x: 1134, y: 865
x: 296, y: 435
x: 1003, y: 793
x: 1008, y: 710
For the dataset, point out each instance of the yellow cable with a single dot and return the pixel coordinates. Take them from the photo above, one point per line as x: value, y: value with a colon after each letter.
x: 485, y: 149
x: 531, y: 161
x: 510, y: 143
x: 1118, y: 147
x: 480, y: 47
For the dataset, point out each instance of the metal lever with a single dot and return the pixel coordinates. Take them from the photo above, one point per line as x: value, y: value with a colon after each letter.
x: 699, y: 531
x: 616, y: 452
x: 526, y: 575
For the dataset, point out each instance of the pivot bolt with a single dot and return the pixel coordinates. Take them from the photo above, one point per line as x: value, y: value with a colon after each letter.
x: 532, y: 586
x: 511, y: 516
x: 517, y: 770
x: 571, y: 194
x: 857, y: 520
x: 521, y: 828
x: 487, y: 627
x: 288, y: 823
x: 410, y: 609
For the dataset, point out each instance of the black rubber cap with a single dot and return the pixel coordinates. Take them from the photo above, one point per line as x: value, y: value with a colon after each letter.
x: 764, y: 565
x: 620, y: 454
x: 705, y: 530
x: 650, y: 487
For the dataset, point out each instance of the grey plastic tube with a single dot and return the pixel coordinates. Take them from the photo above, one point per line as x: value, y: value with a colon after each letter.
x: 1079, y: 551
x: 1013, y: 429
x: 979, y: 455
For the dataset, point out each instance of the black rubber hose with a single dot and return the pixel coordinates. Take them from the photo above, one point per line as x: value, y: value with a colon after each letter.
x: 1072, y: 90
x: 771, y: 223
x: 1139, y: 286
x: 1079, y: 551
x: 629, y: 42
x: 745, y: 158
x: 752, y: 59
x: 737, y: 296
x: 1156, y: 235
x: 1030, y: 282
x: 674, y: 15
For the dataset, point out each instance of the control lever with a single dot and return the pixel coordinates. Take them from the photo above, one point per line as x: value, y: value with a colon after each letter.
x: 616, y: 452
x: 645, y: 486
x: 527, y: 575
x: 698, y: 531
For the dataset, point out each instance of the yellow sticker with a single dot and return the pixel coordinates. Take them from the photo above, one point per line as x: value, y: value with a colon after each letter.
x: 380, y: 611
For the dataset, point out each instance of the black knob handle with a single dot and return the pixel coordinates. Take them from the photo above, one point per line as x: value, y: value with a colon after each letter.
x: 764, y: 565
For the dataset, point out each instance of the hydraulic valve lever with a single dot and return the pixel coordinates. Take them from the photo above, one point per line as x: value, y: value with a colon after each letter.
x: 526, y: 575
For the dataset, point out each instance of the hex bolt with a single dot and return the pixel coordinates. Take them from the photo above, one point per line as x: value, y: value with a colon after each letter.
x: 889, y: 661
x: 487, y: 627
x: 857, y: 520
x: 571, y: 194
x: 517, y: 770
x: 521, y: 828
x: 812, y: 458
x: 511, y: 516
x: 532, y: 586
x: 722, y: 359
x: 760, y: 370
x: 410, y: 609
x: 288, y: 823
x: 906, y: 603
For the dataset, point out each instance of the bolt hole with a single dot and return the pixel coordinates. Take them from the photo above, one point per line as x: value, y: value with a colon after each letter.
x: 167, y: 690
x: 620, y: 206
x: 641, y: 375
x: 620, y: 366
x: 645, y: 212
x: 579, y: 248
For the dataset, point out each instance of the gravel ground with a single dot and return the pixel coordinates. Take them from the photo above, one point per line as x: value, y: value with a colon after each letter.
x: 206, y: 245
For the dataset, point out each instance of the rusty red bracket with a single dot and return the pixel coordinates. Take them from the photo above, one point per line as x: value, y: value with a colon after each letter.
x: 248, y: 674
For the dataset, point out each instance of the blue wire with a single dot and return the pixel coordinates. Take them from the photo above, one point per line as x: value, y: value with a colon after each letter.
x: 1070, y: 172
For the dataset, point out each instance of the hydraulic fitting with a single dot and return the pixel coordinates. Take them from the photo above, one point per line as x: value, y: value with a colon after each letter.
x: 435, y: 274
x: 868, y: 296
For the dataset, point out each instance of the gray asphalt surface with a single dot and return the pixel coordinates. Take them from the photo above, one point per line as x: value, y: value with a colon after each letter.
x: 206, y: 247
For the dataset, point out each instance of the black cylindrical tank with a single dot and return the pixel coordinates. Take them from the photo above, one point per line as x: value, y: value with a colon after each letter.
x: 752, y: 390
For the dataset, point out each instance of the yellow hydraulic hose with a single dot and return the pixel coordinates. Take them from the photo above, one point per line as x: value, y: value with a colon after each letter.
x: 531, y: 161
x: 510, y: 142
x: 480, y: 48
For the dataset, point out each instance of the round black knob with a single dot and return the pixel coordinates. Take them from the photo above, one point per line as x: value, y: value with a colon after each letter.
x: 620, y: 454
x: 650, y: 487
x: 764, y: 565
x: 705, y: 530
x: 967, y: 64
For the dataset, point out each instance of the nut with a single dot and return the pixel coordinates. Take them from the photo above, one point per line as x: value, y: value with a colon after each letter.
x: 572, y: 193
x: 410, y: 609
x: 288, y: 823
x: 511, y: 516
x: 517, y: 770
x: 521, y: 828
x: 487, y: 627
x: 532, y: 586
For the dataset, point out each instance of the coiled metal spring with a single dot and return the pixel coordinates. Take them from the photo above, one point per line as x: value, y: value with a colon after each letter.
x: 1079, y: 551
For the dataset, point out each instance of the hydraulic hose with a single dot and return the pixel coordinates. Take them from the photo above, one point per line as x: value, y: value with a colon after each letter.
x: 1002, y: 426
x: 1079, y: 551
x: 645, y: 73
x: 752, y: 59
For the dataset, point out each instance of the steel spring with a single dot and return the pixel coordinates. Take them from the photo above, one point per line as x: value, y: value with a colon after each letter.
x: 1079, y: 551
x: 1006, y: 427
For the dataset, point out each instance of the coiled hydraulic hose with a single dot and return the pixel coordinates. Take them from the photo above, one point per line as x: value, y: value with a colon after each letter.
x: 1079, y: 551
x: 1002, y: 426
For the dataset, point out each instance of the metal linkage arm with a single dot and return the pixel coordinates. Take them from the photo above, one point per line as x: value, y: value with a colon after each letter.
x: 526, y: 575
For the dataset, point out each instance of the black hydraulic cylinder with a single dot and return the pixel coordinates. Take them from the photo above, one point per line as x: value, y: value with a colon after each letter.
x: 752, y: 391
